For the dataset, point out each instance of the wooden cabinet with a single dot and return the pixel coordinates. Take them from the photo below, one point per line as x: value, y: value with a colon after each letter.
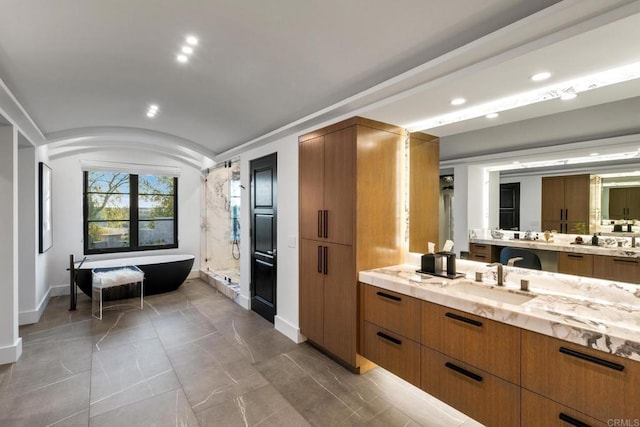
x: 619, y: 269
x: 391, y: 310
x: 482, y: 396
x: 350, y: 210
x: 592, y: 382
x: 565, y: 202
x: 577, y: 264
x: 396, y: 353
x: 484, y: 253
x: 483, y: 343
x: 624, y: 203
x: 423, y: 189
x: 539, y: 411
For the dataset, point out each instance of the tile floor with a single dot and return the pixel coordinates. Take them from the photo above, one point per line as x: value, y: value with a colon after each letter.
x: 193, y: 358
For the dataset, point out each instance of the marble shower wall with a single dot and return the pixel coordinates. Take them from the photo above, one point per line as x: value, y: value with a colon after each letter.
x: 222, y: 201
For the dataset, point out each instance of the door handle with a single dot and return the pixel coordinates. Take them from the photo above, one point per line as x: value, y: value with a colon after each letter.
x: 320, y: 259
x: 560, y: 214
x: 326, y: 223
x: 326, y: 260
x: 319, y: 223
x: 272, y: 252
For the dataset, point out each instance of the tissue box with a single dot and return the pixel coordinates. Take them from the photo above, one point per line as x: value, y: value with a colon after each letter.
x: 428, y: 263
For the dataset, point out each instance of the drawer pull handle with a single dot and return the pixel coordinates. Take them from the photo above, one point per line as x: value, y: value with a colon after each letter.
x: 574, y: 256
x: 626, y: 261
x: 387, y: 296
x: 570, y: 420
x: 463, y: 371
x: 389, y: 338
x: 463, y: 319
x: 481, y: 246
x: 592, y: 359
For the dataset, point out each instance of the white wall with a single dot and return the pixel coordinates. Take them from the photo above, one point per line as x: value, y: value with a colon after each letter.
x: 67, y: 210
x: 286, y: 320
x: 10, y: 342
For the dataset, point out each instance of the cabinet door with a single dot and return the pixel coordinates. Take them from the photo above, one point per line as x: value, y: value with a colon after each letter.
x: 311, y: 177
x: 553, y: 199
x: 576, y: 198
x: 593, y: 382
x: 617, y: 203
x: 620, y: 269
x: 340, y: 302
x: 311, y: 290
x: 578, y: 264
x: 538, y: 411
x: 482, y: 396
x: 340, y: 185
x: 395, y: 353
x: 633, y: 203
x: 559, y: 227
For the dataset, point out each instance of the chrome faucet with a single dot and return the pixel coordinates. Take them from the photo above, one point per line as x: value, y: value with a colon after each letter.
x: 499, y: 274
x: 512, y: 261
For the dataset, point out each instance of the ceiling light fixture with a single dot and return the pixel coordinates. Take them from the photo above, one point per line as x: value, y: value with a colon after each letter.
x: 187, y: 50
x: 582, y: 84
x: 182, y: 58
x: 458, y: 101
x: 152, y: 110
x: 538, y: 77
x: 192, y: 40
x: 594, y: 154
x: 570, y: 161
x: 492, y: 115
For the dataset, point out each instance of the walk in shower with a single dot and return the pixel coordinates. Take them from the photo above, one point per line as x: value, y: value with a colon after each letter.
x: 221, y: 227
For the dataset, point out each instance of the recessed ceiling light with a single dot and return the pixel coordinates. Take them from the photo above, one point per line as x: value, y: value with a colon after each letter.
x: 492, y: 115
x: 516, y: 162
x: 192, y: 40
x: 458, y: 101
x: 569, y: 95
x: 541, y: 76
x: 594, y: 154
x: 182, y: 58
x: 187, y: 50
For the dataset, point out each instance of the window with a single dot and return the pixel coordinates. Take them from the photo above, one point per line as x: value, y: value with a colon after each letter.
x: 126, y: 212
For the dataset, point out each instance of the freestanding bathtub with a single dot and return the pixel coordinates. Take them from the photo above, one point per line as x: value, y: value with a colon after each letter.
x: 162, y: 273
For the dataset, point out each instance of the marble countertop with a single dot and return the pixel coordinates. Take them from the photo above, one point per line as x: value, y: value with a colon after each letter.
x: 562, y: 247
x: 599, y: 314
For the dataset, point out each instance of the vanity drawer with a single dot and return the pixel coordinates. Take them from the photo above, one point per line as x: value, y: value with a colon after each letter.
x: 538, y: 411
x: 482, y: 396
x: 578, y: 264
x: 483, y: 252
x: 393, y: 352
x: 483, y: 343
x: 619, y: 269
x: 591, y: 381
x: 393, y: 311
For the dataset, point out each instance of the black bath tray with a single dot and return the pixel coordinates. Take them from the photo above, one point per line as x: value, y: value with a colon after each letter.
x: 448, y: 276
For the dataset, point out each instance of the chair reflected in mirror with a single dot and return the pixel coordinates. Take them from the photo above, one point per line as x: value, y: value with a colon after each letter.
x: 526, y: 258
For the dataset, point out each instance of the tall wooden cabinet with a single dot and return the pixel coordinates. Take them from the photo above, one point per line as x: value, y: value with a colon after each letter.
x: 565, y: 202
x: 350, y: 210
x: 624, y: 203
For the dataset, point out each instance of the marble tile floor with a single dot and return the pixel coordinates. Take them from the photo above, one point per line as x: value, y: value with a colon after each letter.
x: 193, y: 358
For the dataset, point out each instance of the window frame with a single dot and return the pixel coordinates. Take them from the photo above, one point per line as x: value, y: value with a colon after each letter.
x: 134, y: 221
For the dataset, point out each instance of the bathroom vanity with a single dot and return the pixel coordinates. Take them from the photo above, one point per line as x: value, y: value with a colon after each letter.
x: 567, y: 351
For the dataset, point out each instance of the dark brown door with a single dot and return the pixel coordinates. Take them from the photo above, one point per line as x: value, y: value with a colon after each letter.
x: 510, y: 206
x: 263, y: 236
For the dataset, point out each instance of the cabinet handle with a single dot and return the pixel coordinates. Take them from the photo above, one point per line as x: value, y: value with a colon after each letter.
x: 463, y: 319
x: 626, y: 261
x: 575, y: 256
x: 320, y: 259
x: 566, y: 215
x: 479, y: 255
x: 319, y: 223
x: 391, y: 297
x: 326, y: 223
x: 326, y: 260
x: 592, y: 359
x: 389, y: 338
x: 560, y: 214
x: 570, y: 420
x: 463, y: 371
x: 480, y: 246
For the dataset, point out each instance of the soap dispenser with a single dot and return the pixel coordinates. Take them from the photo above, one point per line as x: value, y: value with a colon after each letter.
x: 594, y: 239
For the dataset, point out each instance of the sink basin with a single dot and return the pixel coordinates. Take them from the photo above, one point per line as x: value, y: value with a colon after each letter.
x: 496, y: 294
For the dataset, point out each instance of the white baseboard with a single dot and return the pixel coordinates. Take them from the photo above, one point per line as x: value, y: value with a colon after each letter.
x: 33, y: 316
x: 11, y: 353
x: 193, y: 274
x: 243, y: 301
x: 288, y: 330
x: 56, y: 291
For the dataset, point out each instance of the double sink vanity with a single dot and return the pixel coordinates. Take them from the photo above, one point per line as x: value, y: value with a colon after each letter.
x: 566, y: 352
